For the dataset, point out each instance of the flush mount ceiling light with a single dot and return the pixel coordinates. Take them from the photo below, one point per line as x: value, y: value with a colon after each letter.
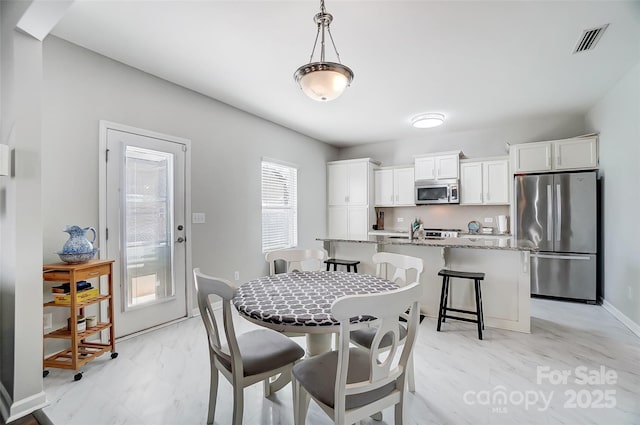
x: 427, y: 120
x: 323, y: 81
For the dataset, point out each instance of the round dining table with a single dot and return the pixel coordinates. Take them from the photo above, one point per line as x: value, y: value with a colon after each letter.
x: 300, y: 302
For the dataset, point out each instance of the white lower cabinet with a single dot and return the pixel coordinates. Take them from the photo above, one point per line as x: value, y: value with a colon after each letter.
x: 348, y: 222
x: 484, y: 182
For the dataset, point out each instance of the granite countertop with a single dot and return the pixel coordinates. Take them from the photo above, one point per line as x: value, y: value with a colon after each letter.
x: 507, y: 244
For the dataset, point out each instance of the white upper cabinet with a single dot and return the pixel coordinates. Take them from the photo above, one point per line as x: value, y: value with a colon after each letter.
x: 495, y: 182
x: 425, y: 168
x: 484, y: 182
x: 570, y: 154
x: 348, y: 183
x: 384, y: 188
x: 573, y: 154
x: 350, y: 198
x: 394, y: 187
x: 530, y: 157
x: 437, y: 166
x: 404, y: 186
x: 471, y: 183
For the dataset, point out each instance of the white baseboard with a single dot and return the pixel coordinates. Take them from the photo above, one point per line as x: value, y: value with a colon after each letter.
x: 633, y: 326
x: 11, y: 410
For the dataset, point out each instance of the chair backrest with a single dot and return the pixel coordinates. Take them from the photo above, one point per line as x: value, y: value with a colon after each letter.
x: 297, y: 259
x: 386, y: 307
x: 401, y: 263
x: 205, y: 287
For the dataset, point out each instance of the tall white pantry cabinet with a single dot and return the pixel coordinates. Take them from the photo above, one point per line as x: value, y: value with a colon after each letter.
x: 350, y: 192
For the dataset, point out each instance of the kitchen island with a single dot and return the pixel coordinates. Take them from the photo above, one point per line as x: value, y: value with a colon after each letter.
x: 505, y: 262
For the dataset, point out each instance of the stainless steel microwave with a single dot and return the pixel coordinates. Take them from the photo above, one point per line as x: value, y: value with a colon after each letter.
x: 437, y: 192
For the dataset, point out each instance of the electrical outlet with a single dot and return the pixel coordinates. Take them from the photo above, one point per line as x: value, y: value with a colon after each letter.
x: 47, y: 321
x: 488, y: 219
x: 400, y: 219
x: 198, y: 218
x: 236, y: 275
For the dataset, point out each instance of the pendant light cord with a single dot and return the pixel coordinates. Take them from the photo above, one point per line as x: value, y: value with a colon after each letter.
x: 322, y: 22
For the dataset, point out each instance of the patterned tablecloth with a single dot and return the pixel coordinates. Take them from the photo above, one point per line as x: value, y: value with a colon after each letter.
x: 303, y: 298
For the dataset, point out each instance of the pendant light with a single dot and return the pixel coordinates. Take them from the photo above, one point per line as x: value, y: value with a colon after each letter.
x: 323, y: 81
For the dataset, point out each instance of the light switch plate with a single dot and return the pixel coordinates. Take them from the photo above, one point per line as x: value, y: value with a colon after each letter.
x: 400, y: 219
x: 488, y: 219
x: 198, y: 218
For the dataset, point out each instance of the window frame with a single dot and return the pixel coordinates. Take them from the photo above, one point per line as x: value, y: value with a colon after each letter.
x: 274, y: 202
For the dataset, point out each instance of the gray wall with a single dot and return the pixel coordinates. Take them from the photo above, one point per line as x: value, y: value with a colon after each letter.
x: 617, y: 117
x: 20, y: 218
x: 481, y: 142
x: 81, y: 88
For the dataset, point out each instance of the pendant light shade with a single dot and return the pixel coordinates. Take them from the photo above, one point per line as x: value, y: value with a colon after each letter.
x: 323, y: 81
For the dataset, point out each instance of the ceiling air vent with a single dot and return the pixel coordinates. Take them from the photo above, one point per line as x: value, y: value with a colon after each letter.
x: 589, y: 39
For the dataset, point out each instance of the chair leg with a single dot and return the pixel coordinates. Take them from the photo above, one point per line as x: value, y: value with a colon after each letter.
x: 267, y: 387
x: 399, y: 411
x: 410, y: 376
x: 238, y: 403
x: 301, y: 404
x: 213, y: 394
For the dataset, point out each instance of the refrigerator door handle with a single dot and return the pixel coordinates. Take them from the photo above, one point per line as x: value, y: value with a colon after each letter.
x: 559, y: 210
x: 562, y: 257
x: 549, y: 213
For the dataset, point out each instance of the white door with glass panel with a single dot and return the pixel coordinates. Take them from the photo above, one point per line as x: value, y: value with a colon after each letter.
x: 146, y: 235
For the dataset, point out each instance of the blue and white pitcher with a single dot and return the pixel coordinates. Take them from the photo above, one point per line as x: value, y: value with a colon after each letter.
x: 78, y: 242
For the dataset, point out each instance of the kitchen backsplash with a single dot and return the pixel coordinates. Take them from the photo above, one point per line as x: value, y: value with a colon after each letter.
x: 443, y: 216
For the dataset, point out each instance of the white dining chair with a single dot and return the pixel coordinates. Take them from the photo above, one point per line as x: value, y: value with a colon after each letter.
x: 309, y: 259
x: 245, y: 359
x: 351, y: 383
x: 402, y: 264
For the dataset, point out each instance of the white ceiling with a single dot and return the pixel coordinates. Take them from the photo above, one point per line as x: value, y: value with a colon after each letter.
x: 478, y: 62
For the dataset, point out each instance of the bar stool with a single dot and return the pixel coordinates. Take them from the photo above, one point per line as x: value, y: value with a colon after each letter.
x: 444, y: 297
x: 337, y: 261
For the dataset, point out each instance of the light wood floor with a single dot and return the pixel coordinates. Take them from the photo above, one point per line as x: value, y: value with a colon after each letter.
x: 162, y: 377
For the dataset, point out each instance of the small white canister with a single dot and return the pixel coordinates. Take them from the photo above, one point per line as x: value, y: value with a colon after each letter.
x: 81, y: 324
x: 92, y: 321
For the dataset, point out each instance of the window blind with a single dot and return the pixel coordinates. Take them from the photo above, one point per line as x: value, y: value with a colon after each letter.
x: 279, y: 206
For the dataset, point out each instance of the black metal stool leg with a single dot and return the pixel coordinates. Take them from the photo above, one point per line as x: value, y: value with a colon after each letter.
x: 335, y: 267
x: 481, y: 307
x: 328, y: 266
x: 479, y: 321
x: 444, y: 280
x: 348, y: 268
x: 447, y: 293
x: 355, y: 268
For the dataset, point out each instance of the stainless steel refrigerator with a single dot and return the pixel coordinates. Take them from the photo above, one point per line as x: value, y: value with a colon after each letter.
x: 558, y: 214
